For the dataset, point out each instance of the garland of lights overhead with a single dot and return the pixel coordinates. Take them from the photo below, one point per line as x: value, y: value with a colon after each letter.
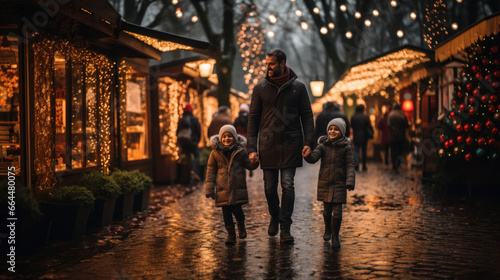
x: 98, y: 68
x: 123, y: 76
x: 435, y: 23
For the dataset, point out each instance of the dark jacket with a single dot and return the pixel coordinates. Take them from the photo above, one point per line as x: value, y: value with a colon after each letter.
x: 240, y: 123
x: 384, y: 128
x: 398, y: 123
x: 218, y: 121
x: 278, y: 115
x: 324, y: 118
x: 361, y: 128
x: 226, y: 175
x: 336, y: 172
x: 189, y: 120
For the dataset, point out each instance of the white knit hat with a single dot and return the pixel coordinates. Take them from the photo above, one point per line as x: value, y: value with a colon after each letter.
x: 244, y: 107
x: 228, y: 128
x: 338, y: 122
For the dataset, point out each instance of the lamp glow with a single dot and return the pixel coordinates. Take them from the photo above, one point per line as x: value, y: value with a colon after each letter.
x: 206, y: 69
x: 317, y: 88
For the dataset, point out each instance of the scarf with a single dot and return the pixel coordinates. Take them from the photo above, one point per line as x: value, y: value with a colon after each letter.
x: 282, y: 79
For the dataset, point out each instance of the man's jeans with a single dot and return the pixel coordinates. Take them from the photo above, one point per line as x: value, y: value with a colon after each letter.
x: 288, y: 193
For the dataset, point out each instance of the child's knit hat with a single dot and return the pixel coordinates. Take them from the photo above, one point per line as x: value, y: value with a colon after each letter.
x: 228, y: 128
x: 338, y: 122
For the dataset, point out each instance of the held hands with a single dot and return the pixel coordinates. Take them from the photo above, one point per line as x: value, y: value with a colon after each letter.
x: 253, y: 157
x: 349, y: 188
x: 212, y: 195
x: 306, y: 151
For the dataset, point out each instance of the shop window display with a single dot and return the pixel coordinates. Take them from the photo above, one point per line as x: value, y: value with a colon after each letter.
x: 137, y: 142
x: 9, y: 106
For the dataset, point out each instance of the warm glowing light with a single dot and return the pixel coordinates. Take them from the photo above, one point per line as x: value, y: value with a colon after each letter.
x: 298, y: 13
x: 270, y: 34
x: 343, y: 8
x: 316, y: 10
x: 175, y: 2
x: 323, y: 30
x: 357, y: 15
x: 317, y: 88
x: 368, y: 22
x: 394, y: 3
x: 331, y: 25
x: 206, y: 69
x: 304, y: 25
x: 178, y: 12
x: 459, y: 1
x: 375, y: 13
x: 273, y: 19
x: 407, y: 105
x: 349, y: 101
x: 413, y: 15
x: 194, y: 19
x: 400, y: 33
x: 348, y: 34
x: 454, y: 26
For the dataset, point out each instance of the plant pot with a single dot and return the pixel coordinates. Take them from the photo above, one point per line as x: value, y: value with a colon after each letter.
x: 102, y: 214
x: 141, y: 200
x: 124, y: 206
x: 67, y: 221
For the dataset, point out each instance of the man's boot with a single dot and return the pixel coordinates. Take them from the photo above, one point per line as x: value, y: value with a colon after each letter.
x: 242, y: 231
x: 231, y: 234
x: 285, y: 235
x: 328, y: 227
x: 273, y: 227
x: 335, y: 232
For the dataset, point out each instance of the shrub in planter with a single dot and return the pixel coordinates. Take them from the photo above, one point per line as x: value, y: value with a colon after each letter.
x: 68, y: 208
x: 130, y: 185
x: 105, y: 190
x: 141, y: 200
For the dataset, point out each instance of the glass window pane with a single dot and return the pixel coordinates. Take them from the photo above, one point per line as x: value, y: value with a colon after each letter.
x: 60, y: 90
x: 164, y: 121
x: 136, y: 118
x: 91, y: 117
x: 76, y: 116
x: 9, y: 105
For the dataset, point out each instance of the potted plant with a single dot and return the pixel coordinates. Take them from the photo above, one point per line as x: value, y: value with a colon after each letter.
x: 129, y: 185
x: 68, y: 208
x: 105, y: 191
x: 141, y: 200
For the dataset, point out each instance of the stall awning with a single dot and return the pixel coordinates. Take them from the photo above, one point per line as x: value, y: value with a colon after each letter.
x: 164, y: 41
x: 376, y: 74
x: 485, y: 27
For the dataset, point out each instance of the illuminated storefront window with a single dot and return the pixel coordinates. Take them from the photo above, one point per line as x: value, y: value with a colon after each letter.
x: 136, y: 108
x: 60, y: 89
x: 9, y: 106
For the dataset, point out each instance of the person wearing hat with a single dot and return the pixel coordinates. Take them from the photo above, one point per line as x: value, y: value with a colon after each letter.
x: 336, y: 176
x: 188, y: 136
x: 240, y: 123
x: 226, y: 178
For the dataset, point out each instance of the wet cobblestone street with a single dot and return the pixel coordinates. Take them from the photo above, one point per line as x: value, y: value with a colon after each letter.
x: 393, y: 227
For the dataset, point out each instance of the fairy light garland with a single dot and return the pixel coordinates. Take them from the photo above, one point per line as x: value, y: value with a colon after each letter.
x: 161, y: 45
x: 251, y: 40
x: 123, y: 75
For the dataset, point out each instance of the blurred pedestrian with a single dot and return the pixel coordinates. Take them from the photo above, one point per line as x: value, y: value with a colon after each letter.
x: 362, y: 131
x: 336, y: 176
x: 398, y: 125
x: 281, y: 120
x: 240, y: 123
x: 188, y: 136
x: 330, y: 112
x: 226, y: 178
x: 219, y: 119
x: 384, y: 135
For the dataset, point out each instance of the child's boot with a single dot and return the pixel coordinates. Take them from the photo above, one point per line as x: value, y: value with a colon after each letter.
x: 328, y: 227
x: 231, y: 234
x: 336, y: 222
x: 242, y: 231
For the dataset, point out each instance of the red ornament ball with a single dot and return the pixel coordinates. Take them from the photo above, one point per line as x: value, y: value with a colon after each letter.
x: 487, y: 78
x: 451, y: 142
x: 472, y: 111
x: 468, y: 141
x: 459, y: 128
x: 446, y: 145
x: 489, y: 124
x: 460, y: 94
x: 494, y: 130
x: 485, y: 98
x: 481, y: 141
x: 477, y: 127
x: 460, y: 139
x: 492, y: 108
x: 479, y: 76
x: 468, y: 157
x: 485, y: 61
x: 492, y: 141
x: 461, y: 107
x: 495, y: 84
x: 452, y: 114
x: 494, y: 49
x: 467, y: 127
x: 468, y: 86
x: 496, y: 74
x: 475, y: 68
x: 475, y: 92
x: 472, y: 100
x: 493, y: 98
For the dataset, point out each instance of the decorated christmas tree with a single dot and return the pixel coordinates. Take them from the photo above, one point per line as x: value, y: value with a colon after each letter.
x: 471, y: 129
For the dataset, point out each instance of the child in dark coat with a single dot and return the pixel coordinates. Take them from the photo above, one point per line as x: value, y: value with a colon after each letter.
x: 226, y: 178
x: 336, y: 176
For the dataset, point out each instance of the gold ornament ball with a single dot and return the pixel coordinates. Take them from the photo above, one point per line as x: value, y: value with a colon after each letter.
x: 455, y: 150
x: 441, y: 152
x: 496, y: 117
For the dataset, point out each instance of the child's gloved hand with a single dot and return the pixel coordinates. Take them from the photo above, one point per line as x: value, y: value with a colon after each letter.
x: 350, y: 188
x: 212, y: 195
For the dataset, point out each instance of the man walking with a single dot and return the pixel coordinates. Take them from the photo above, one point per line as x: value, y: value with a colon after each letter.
x: 279, y: 112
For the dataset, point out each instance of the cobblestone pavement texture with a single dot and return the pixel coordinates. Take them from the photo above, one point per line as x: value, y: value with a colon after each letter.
x: 393, y: 228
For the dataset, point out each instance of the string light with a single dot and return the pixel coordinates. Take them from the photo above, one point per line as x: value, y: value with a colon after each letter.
x: 194, y: 18
x: 348, y: 34
x: 270, y: 34
x: 331, y: 25
x: 357, y: 15
x: 413, y: 15
x: 272, y: 19
x: 394, y: 3
x: 175, y: 2
x: 178, y: 13
x: 251, y: 40
x: 304, y: 25
x: 400, y: 33
x: 298, y: 13
x: 323, y: 30
x: 375, y: 13
x: 316, y: 10
x: 161, y: 45
x: 343, y: 8
x: 368, y: 22
x: 454, y: 26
